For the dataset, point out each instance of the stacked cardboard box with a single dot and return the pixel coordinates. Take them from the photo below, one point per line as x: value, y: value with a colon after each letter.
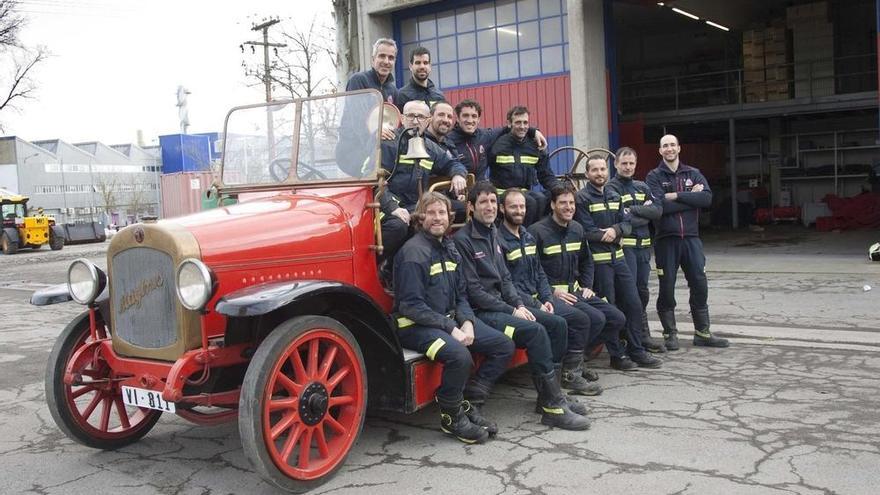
x: 754, y: 78
x: 813, y: 46
x: 777, y: 69
x: 766, y: 73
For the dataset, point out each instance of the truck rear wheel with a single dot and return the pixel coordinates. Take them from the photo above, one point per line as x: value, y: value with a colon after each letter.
x: 91, y: 410
x: 303, y: 402
x: 8, y: 245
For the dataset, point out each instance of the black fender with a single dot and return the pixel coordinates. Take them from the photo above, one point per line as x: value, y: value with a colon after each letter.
x: 60, y: 293
x: 12, y: 234
x: 254, y: 311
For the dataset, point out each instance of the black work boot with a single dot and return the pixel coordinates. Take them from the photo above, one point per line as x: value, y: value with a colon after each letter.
x: 454, y: 422
x: 650, y: 343
x: 476, y: 416
x: 646, y: 360
x: 702, y: 335
x: 623, y: 363
x: 572, y: 375
x: 670, y: 332
x: 573, y: 404
x: 555, y: 410
x: 476, y: 392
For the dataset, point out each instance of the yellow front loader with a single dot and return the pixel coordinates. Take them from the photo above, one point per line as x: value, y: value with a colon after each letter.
x: 22, y: 231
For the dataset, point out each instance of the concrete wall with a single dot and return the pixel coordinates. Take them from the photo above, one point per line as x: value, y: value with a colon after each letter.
x: 589, y: 92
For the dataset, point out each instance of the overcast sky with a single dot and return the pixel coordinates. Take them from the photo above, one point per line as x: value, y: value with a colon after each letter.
x: 116, y: 64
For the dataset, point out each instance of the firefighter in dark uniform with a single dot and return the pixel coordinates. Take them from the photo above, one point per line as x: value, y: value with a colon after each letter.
x: 471, y: 143
x: 381, y: 75
x: 637, y: 201
x: 599, y: 213
x: 410, y: 176
x: 515, y: 161
x: 565, y: 257
x: 684, y: 191
x: 495, y: 301
x: 420, y: 87
x: 433, y: 317
x: 520, y: 253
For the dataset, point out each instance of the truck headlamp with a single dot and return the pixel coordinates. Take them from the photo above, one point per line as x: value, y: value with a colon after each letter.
x: 195, y: 284
x: 85, y: 281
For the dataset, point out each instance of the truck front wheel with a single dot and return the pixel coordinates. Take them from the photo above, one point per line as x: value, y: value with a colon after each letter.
x: 303, y: 402
x: 91, y: 410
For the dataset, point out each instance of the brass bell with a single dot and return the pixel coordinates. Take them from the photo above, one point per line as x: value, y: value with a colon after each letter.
x: 416, y: 148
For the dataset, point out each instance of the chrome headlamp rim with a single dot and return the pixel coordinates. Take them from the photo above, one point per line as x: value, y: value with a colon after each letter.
x: 98, y: 279
x: 207, y: 280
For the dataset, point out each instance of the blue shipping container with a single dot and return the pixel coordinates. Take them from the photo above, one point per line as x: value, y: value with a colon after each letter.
x: 185, y: 153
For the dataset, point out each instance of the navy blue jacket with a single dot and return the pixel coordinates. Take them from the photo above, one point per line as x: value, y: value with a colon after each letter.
x: 408, y: 175
x: 490, y: 287
x: 564, y: 253
x: 515, y: 163
x: 429, y: 285
x: 368, y: 79
x: 633, y: 195
x: 414, y: 91
x: 601, y: 210
x: 681, y: 218
x: 521, y: 256
x: 473, y: 149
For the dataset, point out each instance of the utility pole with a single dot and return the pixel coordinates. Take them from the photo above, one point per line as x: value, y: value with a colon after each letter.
x: 267, y: 76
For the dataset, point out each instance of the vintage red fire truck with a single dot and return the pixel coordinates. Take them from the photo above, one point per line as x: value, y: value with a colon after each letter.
x: 269, y: 311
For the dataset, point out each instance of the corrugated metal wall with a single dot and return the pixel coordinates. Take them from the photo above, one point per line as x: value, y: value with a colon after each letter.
x: 182, y: 192
x: 548, y: 100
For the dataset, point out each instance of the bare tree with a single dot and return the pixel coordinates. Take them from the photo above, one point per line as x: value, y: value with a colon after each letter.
x: 345, y: 15
x: 19, y: 60
x: 107, y: 186
x: 10, y: 23
x: 137, y: 198
x: 299, y: 68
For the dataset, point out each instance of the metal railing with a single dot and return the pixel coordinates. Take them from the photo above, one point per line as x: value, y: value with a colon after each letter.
x: 801, y: 79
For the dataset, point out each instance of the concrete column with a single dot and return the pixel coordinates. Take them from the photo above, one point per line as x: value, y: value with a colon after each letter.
x: 372, y: 27
x: 589, y: 93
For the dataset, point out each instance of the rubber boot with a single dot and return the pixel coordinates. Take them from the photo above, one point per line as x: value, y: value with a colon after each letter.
x: 650, y: 343
x: 572, y: 375
x: 702, y: 335
x: 670, y: 332
x: 573, y: 404
x: 476, y: 392
x: 555, y: 410
x: 454, y: 421
x: 475, y: 415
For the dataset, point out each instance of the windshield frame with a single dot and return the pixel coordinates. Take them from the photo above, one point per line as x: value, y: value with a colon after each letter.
x: 292, y: 181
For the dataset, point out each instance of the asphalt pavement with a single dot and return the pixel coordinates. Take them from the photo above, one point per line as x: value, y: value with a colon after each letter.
x: 790, y: 407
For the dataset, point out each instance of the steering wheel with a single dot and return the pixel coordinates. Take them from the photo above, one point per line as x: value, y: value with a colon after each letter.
x: 279, y: 168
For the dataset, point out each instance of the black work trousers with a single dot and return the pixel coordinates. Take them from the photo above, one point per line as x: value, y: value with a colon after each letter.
x: 615, y: 283
x: 639, y: 262
x: 532, y: 336
x: 605, y: 323
x: 687, y: 253
x: 457, y: 361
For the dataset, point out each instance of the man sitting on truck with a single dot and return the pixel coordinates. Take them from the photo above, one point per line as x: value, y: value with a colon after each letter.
x: 496, y: 301
x: 434, y: 317
x: 409, y: 176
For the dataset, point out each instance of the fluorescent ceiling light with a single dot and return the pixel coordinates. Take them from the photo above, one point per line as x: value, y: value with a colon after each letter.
x: 508, y: 31
x: 661, y: 4
x: 686, y: 14
x: 719, y: 26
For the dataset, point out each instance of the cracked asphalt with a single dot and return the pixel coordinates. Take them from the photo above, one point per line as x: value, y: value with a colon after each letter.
x: 790, y: 408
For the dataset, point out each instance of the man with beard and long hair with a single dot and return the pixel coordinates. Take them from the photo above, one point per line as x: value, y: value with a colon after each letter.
x: 433, y: 317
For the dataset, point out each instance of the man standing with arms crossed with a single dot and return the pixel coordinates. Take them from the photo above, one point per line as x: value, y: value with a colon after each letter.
x: 495, y: 301
x: 684, y: 191
x: 639, y: 204
x: 433, y: 317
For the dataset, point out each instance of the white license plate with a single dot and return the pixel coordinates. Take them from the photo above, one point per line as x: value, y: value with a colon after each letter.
x: 141, y: 397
